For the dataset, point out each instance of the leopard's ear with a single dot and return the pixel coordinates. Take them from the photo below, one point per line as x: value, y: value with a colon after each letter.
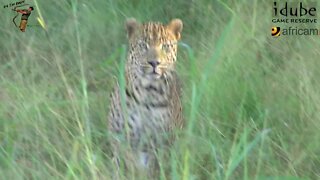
x: 131, y: 26
x: 176, y: 26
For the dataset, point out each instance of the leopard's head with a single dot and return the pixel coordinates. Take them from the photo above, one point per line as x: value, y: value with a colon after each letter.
x: 152, y: 47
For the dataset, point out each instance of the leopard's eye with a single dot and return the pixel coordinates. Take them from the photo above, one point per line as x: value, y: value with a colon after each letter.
x: 165, y: 47
x: 143, y: 46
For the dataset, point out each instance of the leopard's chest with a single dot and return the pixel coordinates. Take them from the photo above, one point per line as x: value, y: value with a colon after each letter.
x: 146, y: 112
x: 148, y: 106
x: 147, y: 116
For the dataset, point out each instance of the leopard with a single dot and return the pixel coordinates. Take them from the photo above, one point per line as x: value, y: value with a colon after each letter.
x: 146, y: 110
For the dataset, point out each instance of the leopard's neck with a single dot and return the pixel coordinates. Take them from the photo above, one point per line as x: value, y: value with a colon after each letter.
x: 149, y: 91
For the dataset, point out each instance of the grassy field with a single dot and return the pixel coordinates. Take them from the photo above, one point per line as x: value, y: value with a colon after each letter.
x: 251, y: 101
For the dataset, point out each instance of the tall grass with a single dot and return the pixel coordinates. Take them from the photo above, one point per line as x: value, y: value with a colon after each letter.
x: 251, y: 102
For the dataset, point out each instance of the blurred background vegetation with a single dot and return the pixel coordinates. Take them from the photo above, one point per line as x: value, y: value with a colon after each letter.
x: 251, y: 101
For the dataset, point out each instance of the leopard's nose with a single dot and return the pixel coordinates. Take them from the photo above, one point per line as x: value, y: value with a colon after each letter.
x: 154, y: 63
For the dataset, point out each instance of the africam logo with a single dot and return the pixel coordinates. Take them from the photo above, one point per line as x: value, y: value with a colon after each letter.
x: 21, y: 8
x: 295, y: 13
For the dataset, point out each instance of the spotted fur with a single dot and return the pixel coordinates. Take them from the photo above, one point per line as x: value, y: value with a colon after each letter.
x: 152, y: 107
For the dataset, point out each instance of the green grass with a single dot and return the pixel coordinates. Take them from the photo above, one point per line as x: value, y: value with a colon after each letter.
x: 251, y: 101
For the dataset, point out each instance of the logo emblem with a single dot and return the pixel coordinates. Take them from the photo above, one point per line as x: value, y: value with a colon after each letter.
x: 275, y: 31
